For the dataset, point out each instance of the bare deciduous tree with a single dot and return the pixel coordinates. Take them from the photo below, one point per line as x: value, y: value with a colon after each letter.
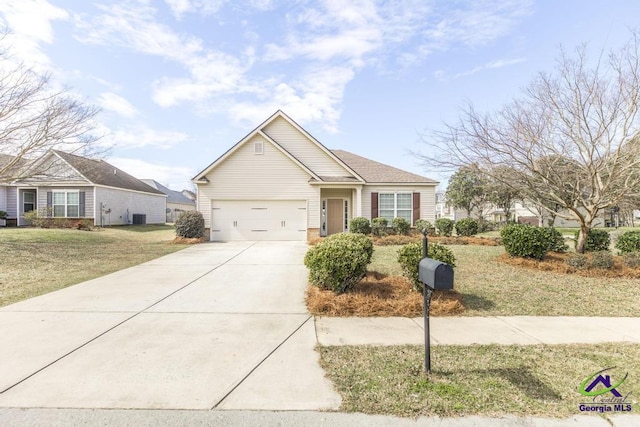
x: 36, y: 117
x: 572, y: 138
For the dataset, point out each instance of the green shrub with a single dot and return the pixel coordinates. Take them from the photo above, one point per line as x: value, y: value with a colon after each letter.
x: 466, y: 227
x: 576, y: 260
x: 601, y: 259
x: 190, y: 225
x: 409, y: 257
x: 444, y: 226
x: 597, y: 240
x: 631, y: 259
x: 556, y: 241
x: 525, y: 241
x: 360, y: 225
x: 339, y: 261
x: 423, y: 224
x: 379, y: 226
x: 3, y: 215
x: 39, y: 218
x: 401, y: 226
x: 628, y: 242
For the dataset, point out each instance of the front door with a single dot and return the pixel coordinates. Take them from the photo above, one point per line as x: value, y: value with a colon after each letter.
x: 335, y: 216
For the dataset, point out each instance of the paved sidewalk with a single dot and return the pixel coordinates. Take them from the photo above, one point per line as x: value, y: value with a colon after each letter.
x: 477, y: 330
x: 142, y: 418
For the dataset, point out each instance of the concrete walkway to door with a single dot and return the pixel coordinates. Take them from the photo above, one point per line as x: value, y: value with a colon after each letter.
x: 218, y: 325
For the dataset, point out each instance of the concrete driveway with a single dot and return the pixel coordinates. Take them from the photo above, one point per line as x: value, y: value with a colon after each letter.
x: 217, y: 325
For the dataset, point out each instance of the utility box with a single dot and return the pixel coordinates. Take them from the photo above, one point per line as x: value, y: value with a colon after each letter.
x: 139, y: 219
x: 435, y: 274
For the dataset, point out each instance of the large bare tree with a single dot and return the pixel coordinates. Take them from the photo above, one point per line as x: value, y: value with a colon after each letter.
x: 36, y: 116
x: 572, y: 138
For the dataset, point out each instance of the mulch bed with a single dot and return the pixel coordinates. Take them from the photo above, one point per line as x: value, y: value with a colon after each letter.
x: 187, y: 241
x: 381, y: 295
x: 555, y: 262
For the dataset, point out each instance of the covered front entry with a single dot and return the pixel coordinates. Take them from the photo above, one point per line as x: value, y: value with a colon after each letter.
x: 258, y: 220
x: 336, y: 210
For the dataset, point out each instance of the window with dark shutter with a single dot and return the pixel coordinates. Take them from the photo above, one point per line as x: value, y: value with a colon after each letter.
x: 81, y: 208
x: 416, y: 207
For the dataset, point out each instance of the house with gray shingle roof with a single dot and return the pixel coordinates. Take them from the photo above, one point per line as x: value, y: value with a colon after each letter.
x: 280, y: 183
x: 63, y: 185
x: 177, y: 201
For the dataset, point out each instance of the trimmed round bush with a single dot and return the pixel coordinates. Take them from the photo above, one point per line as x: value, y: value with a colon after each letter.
x: 597, y: 240
x: 556, y: 241
x: 409, y: 257
x: 360, y: 225
x: 339, y: 261
x: 576, y: 260
x: 423, y: 224
x: 631, y: 259
x: 466, y: 227
x: 379, y: 226
x: 190, y: 225
x: 601, y: 259
x: 525, y: 241
x: 444, y: 226
x: 401, y: 226
x: 628, y: 241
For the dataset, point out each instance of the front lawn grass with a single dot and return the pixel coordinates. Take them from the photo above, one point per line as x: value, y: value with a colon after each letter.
x: 487, y: 380
x: 36, y: 261
x: 491, y: 288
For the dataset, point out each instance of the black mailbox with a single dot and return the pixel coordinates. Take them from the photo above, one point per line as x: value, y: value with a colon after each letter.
x: 435, y: 274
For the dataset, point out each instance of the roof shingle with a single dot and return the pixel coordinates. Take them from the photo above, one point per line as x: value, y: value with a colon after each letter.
x: 372, y: 171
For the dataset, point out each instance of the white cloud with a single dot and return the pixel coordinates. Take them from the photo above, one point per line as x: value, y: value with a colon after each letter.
x: 142, y: 136
x: 175, y: 177
x: 333, y: 38
x: 29, y: 22
x: 501, y: 63
x: 119, y: 105
x: 205, y: 7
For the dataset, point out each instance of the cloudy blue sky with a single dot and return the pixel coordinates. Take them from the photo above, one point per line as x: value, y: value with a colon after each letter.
x: 180, y: 81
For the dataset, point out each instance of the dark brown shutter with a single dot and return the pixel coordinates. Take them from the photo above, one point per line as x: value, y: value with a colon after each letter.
x: 416, y: 207
x: 81, y: 203
x: 49, y: 204
x: 374, y: 205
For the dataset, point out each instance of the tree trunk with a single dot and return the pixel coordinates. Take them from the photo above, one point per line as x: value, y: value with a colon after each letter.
x: 582, y: 239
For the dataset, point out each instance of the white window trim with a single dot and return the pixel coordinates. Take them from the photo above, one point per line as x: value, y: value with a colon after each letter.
x: 395, y: 204
x: 66, y: 205
x: 258, y: 147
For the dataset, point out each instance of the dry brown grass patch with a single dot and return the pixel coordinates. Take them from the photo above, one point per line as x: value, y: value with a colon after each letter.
x: 556, y: 262
x: 187, y: 241
x: 381, y: 295
x: 464, y: 240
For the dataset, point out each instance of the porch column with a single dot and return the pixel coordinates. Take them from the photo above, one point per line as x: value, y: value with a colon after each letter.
x: 358, y: 202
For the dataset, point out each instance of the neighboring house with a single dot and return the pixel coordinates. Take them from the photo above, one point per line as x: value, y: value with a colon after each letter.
x: 63, y: 185
x: 177, y: 201
x: 444, y: 210
x: 280, y: 183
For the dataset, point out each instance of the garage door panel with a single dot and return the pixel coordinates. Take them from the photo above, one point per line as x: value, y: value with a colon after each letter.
x: 259, y: 220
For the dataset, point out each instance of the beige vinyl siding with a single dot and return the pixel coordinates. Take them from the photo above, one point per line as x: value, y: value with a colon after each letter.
x: 306, y: 151
x: 125, y: 203
x: 88, y: 197
x: 268, y: 176
x: 427, y: 198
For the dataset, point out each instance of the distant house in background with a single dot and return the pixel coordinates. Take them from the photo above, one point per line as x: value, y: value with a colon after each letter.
x: 63, y: 185
x: 444, y: 210
x: 177, y: 201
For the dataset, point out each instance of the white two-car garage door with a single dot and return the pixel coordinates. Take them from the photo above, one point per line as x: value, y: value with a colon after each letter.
x: 258, y: 220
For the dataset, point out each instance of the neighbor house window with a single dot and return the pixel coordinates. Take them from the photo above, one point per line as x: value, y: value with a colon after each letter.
x: 66, y: 204
x: 395, y: 205
x: 29, y: 201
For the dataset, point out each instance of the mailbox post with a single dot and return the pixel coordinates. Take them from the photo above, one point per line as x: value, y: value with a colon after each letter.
x: 434, y: 275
